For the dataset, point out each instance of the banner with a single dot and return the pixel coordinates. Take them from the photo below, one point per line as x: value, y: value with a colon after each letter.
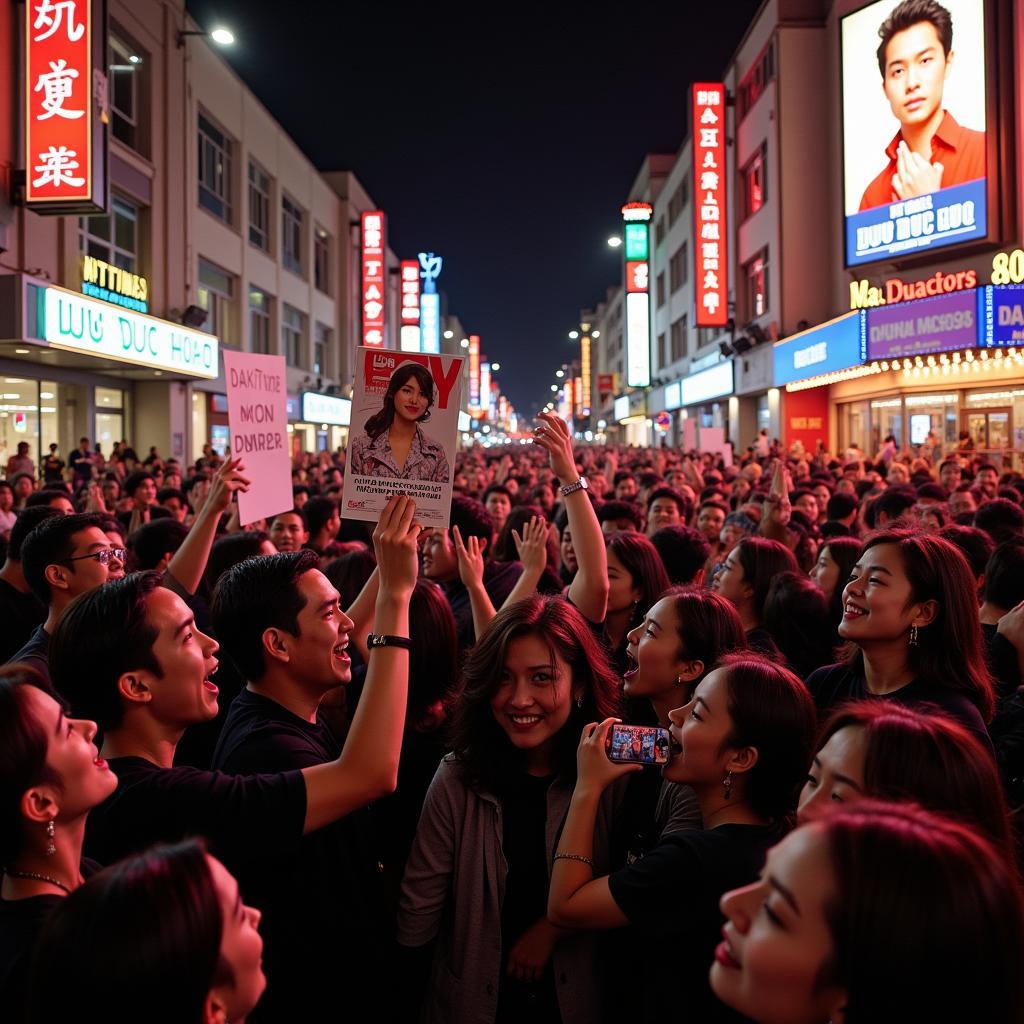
x: 405, y: 425
x: 258, y: 419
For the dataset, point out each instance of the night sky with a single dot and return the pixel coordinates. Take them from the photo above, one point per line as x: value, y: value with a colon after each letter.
x: 503, y: 137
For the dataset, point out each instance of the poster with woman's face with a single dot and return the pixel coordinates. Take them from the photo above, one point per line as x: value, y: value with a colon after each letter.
x: 403, y: 433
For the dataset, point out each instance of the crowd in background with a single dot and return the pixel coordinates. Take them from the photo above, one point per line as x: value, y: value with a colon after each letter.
x: 228, y: 792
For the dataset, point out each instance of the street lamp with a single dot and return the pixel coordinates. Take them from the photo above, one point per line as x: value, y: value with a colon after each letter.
x: 220, y: 35
x: 495, y: 367
x: 614, y: 242
x: 559, y: 374
x: 554, y: 387
x: 464, y: 343
x: 573, y: 335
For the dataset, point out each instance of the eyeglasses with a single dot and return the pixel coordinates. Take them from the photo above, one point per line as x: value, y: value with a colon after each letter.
x: 103, y: 556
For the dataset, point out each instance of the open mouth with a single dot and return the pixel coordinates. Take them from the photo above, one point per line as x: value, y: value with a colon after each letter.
x: 208, y: 683
x: 100, y: 763
x: 725, y: 954
x: 632, y: 666
x: 852, y: 611
x: 341, y: 652
x: 524, y: 723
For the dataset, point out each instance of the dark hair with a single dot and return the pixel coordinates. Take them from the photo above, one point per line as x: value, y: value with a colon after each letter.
x: 899, y: 952
x: 683, y: 552
x: 108, y: 524
x: 139, y: 476
x: 908, y: 14
x: 974, y: 544
x: 158, y: 910
x: 349, y: 572
x: 772, y: 711
x: 50, y: 543
x: 923, y: 755
x: 231, y: 549
x: 85, y: 665
x: 708, y: 625
x: 319, y: 511
x: 713, y: 503
x: 380, y: 421
x: 504, y: 549
x: 611, y: 510
x: 166, y: 493
x: 762, y: 560
x: 300, y: 512
x: 254, y: 596
x: 472, y: 519
x: 1000, y: 518
x: 481, y: 746
x: 841, y: 505
x: 27, y: 521
x: 42, y: 498
x: 639, y: 557
x: 497, y: 489
x: 796, y: 614
x: 1004, y: 575
x: 433, y: 660
x: 951, y: 650
x: 894, y: 502
x: 151, y: 541
x: 650, y: 479
x: 683, y: 503
x: 622, y: 474
x: 844, y: 551
x: 933, y: 490
x: 23, y: 746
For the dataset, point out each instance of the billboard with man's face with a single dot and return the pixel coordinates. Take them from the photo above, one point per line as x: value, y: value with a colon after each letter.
x: 914, y: 124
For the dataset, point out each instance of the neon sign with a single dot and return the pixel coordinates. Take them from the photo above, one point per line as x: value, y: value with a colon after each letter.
x: 112, y: 284
x: 709, y: 204
x: 865, y: 295
x: 373, y: 297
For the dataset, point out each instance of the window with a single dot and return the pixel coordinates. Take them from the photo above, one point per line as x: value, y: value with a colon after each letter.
x: 127, y: 68
x: 662, y: 351
x: 216, y: 294
x: 756, y: 79
x: 755, y: 274
x: 291, y: 235
x: 679, y: 339
x: 705, y: 335
x: 678, y: 268
x: 322, y: 260
x: 293, y: 328
x: 677, y: 203
x: 321, y: 347
x: 259, y: 321
x: 259, y: 206
x: 113, y: 238
x: 214, y: 170
x: 660, y: 289
x: 659, y: 230
x: 755, y: 183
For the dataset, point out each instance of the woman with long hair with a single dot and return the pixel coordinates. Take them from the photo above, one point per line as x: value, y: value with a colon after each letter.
x: 876, y: 914
x: 636, y: 578
x: 51, y: 776
x: 796, y: 617
x: 475, y: 888
x: 744, y: 743
x: 879, y: 750
x: 836, y: 559
x: 910, y: 617
x: 393, y: 445
x: 162, y: 936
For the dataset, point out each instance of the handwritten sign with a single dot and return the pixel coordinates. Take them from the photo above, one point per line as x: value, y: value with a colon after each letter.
x: 258, y: 418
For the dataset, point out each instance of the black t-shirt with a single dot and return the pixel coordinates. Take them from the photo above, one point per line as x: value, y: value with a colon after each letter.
x: 500, y: 579
x: 836, y: 684
x: 20, y: 614
x: 80, y: 463
x: 36, y: 652
x: 322, y: 897
x: 671, y: 899
x: 1001, y: 656
x: 53, y: 467
x: 242, y: 818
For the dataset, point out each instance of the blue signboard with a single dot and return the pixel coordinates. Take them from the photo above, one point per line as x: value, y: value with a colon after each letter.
x: 1002, y: 320
x: 836, y: 345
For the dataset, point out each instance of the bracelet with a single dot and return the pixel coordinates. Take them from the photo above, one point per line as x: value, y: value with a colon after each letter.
x: 385, y: 640
x: 575, y: 856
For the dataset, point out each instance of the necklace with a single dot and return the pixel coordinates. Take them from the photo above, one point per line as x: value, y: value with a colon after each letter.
x: 37, y: 878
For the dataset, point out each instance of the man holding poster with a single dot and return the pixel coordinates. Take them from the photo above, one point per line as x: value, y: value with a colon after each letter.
x: 395, y: 395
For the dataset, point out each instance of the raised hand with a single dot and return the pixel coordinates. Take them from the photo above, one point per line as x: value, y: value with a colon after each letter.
x: 395, y: 545
x: 532, y: 546
x: 471, y: 559
x: 227, y: 481
x: 552, y: 434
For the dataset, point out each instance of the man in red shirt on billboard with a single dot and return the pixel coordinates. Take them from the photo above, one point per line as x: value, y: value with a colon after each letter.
x: 930, y: 151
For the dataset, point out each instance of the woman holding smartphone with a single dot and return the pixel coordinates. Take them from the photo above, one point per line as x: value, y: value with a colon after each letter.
x: 474, y: 895
x: 743, y: 742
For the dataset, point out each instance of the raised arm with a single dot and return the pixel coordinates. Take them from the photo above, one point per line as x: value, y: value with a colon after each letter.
x: 532, y: 547
x: 589, y: 589
x: 368, y: 766
x: 361, y: 613
x: 471, y: 572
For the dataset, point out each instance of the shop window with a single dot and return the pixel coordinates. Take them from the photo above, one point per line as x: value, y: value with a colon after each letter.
x: 216, y: 294
x: 755, y: 183
x: 109, y: 427
x: 764, y: 414
x: 322, y: 260
x: 259, y: 321
x: 114, y: 237
x: 755, y: 275
x: 321, y: 348
x: 291, y: 235
x: 293, y: 328
x: 127, y: 88
x: 259, y: 206
x: 215, y: 169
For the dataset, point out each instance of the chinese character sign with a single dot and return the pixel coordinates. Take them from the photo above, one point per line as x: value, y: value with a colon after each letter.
x: 709, y: 206
x: 374, y: 296
x: 585, y: 374
x: 58, y: 103
x: 410, y: 292
x: 474, y: 374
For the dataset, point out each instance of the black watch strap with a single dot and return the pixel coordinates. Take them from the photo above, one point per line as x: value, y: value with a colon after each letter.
x: 383, y: 640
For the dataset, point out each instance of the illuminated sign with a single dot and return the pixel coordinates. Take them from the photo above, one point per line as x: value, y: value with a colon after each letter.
x: 410, y: 298
x: 326, y: 409
x: 474, y: 372
x: 374, y: 294
x: 865, y: 295
x: 71, y: 321
x: 638, y: 340
x: 430, y: 270
x: 112, y: 284
x: 606, y: 385
x: 836, y: 345
x: 639, y: 212
x: 485, y: 385
x: 709, y: 205
x: 637, y: 247
x: 1008, y: 267
x: 621, y: 410
x: 638, y: 275
x: 713, y: 383
x: 940, y: 324
x: 900, y: 200
x: 1002, y: 319
x: 430, y: 322
x: 65, y: 154
x: 585, y: 374
x: 674, y: 395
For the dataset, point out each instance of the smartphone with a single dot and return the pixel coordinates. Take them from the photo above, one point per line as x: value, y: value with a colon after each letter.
x: 638, y: 744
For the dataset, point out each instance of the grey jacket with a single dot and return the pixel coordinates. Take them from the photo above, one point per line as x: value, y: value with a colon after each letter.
x: 452, y: 890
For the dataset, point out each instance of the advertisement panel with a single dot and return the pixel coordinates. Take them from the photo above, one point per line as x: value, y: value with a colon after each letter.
x: 317, y: 408
x: 1002, y: 321
x: 374, y: 293
x: 409, y: 306
x: 638, y: 343
x: 713, y: 383
x: 474, y: 374
x: 707, y: 112
x: 585, y: 374
x: 924, y: 327
x: 825, y: 349
x: 914, y: 124
x: 430, y: 302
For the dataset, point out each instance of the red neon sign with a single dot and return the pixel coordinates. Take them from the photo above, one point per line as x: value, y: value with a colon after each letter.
x: 709, y: 205
x: 63, y: 163
x: 638, y: 274
x: 374, y: 298
x: 474, y: 372
x: 410, y: 277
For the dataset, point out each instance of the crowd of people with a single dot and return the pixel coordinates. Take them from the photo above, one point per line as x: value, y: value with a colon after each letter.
x: 310, y: 768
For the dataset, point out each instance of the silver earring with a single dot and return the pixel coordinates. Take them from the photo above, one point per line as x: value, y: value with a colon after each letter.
x: 579, y: 703
x: 728, y: 785
x: 51, y: 846
x: 913, y: 636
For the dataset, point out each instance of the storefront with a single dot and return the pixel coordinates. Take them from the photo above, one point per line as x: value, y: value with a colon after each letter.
x: 755, y: 404
x: 72, y: 366
x: 633, y: 426
x: 704, y: 396
x: 323, y: 423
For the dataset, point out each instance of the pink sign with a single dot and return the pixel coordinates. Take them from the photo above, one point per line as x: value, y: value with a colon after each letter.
x: 712, y: 439
x: 689, y: 434
x: 258, y: 420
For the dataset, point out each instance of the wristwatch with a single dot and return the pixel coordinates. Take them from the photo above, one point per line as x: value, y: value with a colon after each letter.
x: 383, y: 640
x: 581, y: 485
